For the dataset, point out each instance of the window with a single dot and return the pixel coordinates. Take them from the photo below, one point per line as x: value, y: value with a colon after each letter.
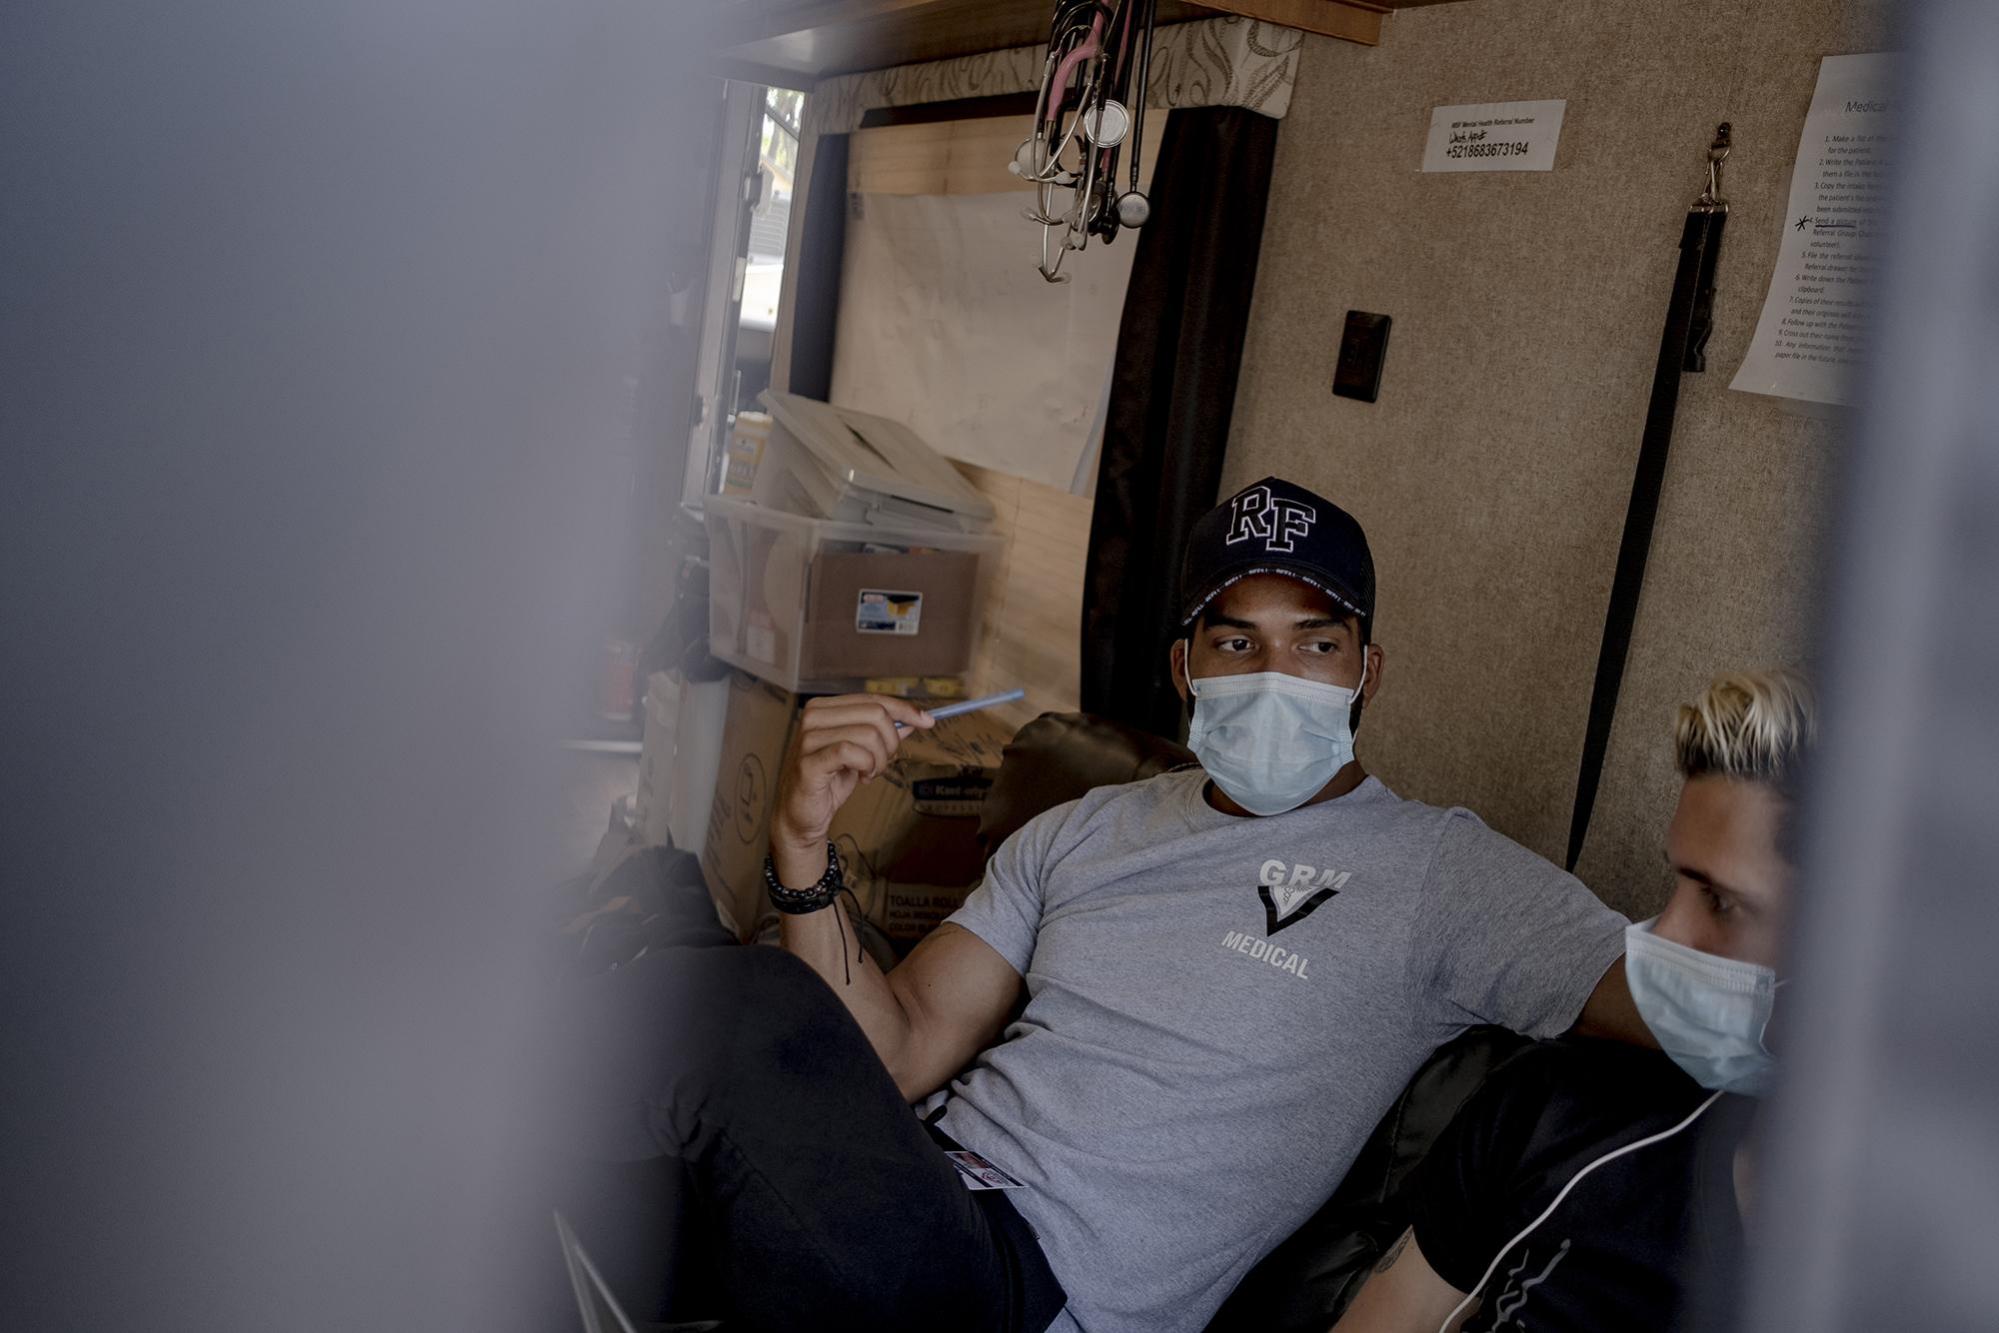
x: 770, y: 222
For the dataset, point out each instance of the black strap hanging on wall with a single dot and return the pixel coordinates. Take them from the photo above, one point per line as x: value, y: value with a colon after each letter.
x: 1682, y: 349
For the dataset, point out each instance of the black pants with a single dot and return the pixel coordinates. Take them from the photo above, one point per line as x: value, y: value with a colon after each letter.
x: 742, y: 1154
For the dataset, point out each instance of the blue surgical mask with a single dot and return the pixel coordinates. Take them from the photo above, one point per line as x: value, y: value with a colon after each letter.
x: 1271, y: 740
x: 1708, y: 1012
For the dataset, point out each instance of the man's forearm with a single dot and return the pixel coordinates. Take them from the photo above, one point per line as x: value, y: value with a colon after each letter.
x: 830, y: 948
x: 943, y: 1003
x: 829, y: 945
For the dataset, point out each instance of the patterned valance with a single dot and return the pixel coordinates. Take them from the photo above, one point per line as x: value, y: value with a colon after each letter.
x: 1215, y: 62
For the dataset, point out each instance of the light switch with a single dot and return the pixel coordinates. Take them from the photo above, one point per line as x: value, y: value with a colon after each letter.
x: 1363, y: 348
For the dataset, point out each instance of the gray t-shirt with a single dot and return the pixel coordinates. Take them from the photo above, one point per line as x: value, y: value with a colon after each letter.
x: 1220, y: 1009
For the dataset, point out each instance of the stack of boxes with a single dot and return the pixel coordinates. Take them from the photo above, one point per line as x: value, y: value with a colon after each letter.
x: 846, y: 552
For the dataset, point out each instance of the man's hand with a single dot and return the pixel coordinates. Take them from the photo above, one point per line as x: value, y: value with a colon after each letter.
x: 842, y: 742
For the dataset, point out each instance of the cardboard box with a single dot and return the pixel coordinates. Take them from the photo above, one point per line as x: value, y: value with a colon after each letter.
x: 678, y: 760
x: 910, y: 838
x: 755, y: 734
x: 697, y: 758
x: 819, y: 607
x: 873, y: 614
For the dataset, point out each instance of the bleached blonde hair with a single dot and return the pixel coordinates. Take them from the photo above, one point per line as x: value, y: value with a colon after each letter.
x: 1755, y: 725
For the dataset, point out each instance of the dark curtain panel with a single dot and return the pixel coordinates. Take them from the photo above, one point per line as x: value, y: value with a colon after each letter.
x: 958, y: 108
x: 821, y: 247
x: 1173, y: 388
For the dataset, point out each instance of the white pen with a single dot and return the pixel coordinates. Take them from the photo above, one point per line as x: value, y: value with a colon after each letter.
x: 969, y: 706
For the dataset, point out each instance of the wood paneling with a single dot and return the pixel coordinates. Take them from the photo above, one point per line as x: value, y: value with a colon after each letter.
x: 1353, y: 22
x: 823, y: 39
x: 1034, y: 610
x: 957, y: 156
x: 792, y: 44
x: 948, y: 157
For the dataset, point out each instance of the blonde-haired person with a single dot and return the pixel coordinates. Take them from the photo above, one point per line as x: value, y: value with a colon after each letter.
x: 1587, y: 1182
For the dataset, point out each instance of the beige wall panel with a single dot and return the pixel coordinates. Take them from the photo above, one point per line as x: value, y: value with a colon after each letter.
x: 1493, y: 474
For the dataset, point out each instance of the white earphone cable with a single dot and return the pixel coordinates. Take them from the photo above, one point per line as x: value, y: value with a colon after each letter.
x: 1574, y: 1180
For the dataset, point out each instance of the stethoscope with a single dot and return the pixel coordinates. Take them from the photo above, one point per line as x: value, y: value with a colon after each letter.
x: 1094, y: 49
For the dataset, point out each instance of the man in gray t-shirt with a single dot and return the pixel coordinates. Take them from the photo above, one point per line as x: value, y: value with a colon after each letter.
x: 1220, y: 1009
x: 1228, y: 973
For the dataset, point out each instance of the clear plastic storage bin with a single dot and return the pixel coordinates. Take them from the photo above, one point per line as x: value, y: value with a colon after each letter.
x: 819, y: 606
x: 822, y: 461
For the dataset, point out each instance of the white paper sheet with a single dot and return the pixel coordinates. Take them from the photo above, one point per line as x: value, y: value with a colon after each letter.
x: 945, y: 325
x: 1810, y: 336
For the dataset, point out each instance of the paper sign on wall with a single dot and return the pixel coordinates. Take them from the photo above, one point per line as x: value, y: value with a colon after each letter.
x: 1494, y: 136
x: 1809, y: 338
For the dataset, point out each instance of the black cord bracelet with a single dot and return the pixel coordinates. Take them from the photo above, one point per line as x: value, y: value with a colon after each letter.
x: 797, y: 902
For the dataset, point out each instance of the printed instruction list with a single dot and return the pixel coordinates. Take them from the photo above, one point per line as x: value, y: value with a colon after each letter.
x: 1812, y: 332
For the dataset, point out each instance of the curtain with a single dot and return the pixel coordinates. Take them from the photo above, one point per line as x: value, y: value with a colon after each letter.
x: 818, y: 252
x: 1173, y: 386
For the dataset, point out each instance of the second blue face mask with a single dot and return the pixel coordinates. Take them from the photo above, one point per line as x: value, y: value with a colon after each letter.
x: 1270, y: 740
x: 1709, y: 1013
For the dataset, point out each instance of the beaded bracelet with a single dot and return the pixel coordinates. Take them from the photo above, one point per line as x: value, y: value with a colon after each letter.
x: 797, y: 902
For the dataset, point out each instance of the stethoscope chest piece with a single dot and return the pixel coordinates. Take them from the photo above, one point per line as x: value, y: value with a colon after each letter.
x: 1107, y: 125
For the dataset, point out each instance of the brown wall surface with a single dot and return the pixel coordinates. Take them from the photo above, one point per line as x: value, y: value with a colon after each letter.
x: 1492, y: 475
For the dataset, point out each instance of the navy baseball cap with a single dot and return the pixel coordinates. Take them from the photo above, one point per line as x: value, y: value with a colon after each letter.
x: 1277, y: 527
